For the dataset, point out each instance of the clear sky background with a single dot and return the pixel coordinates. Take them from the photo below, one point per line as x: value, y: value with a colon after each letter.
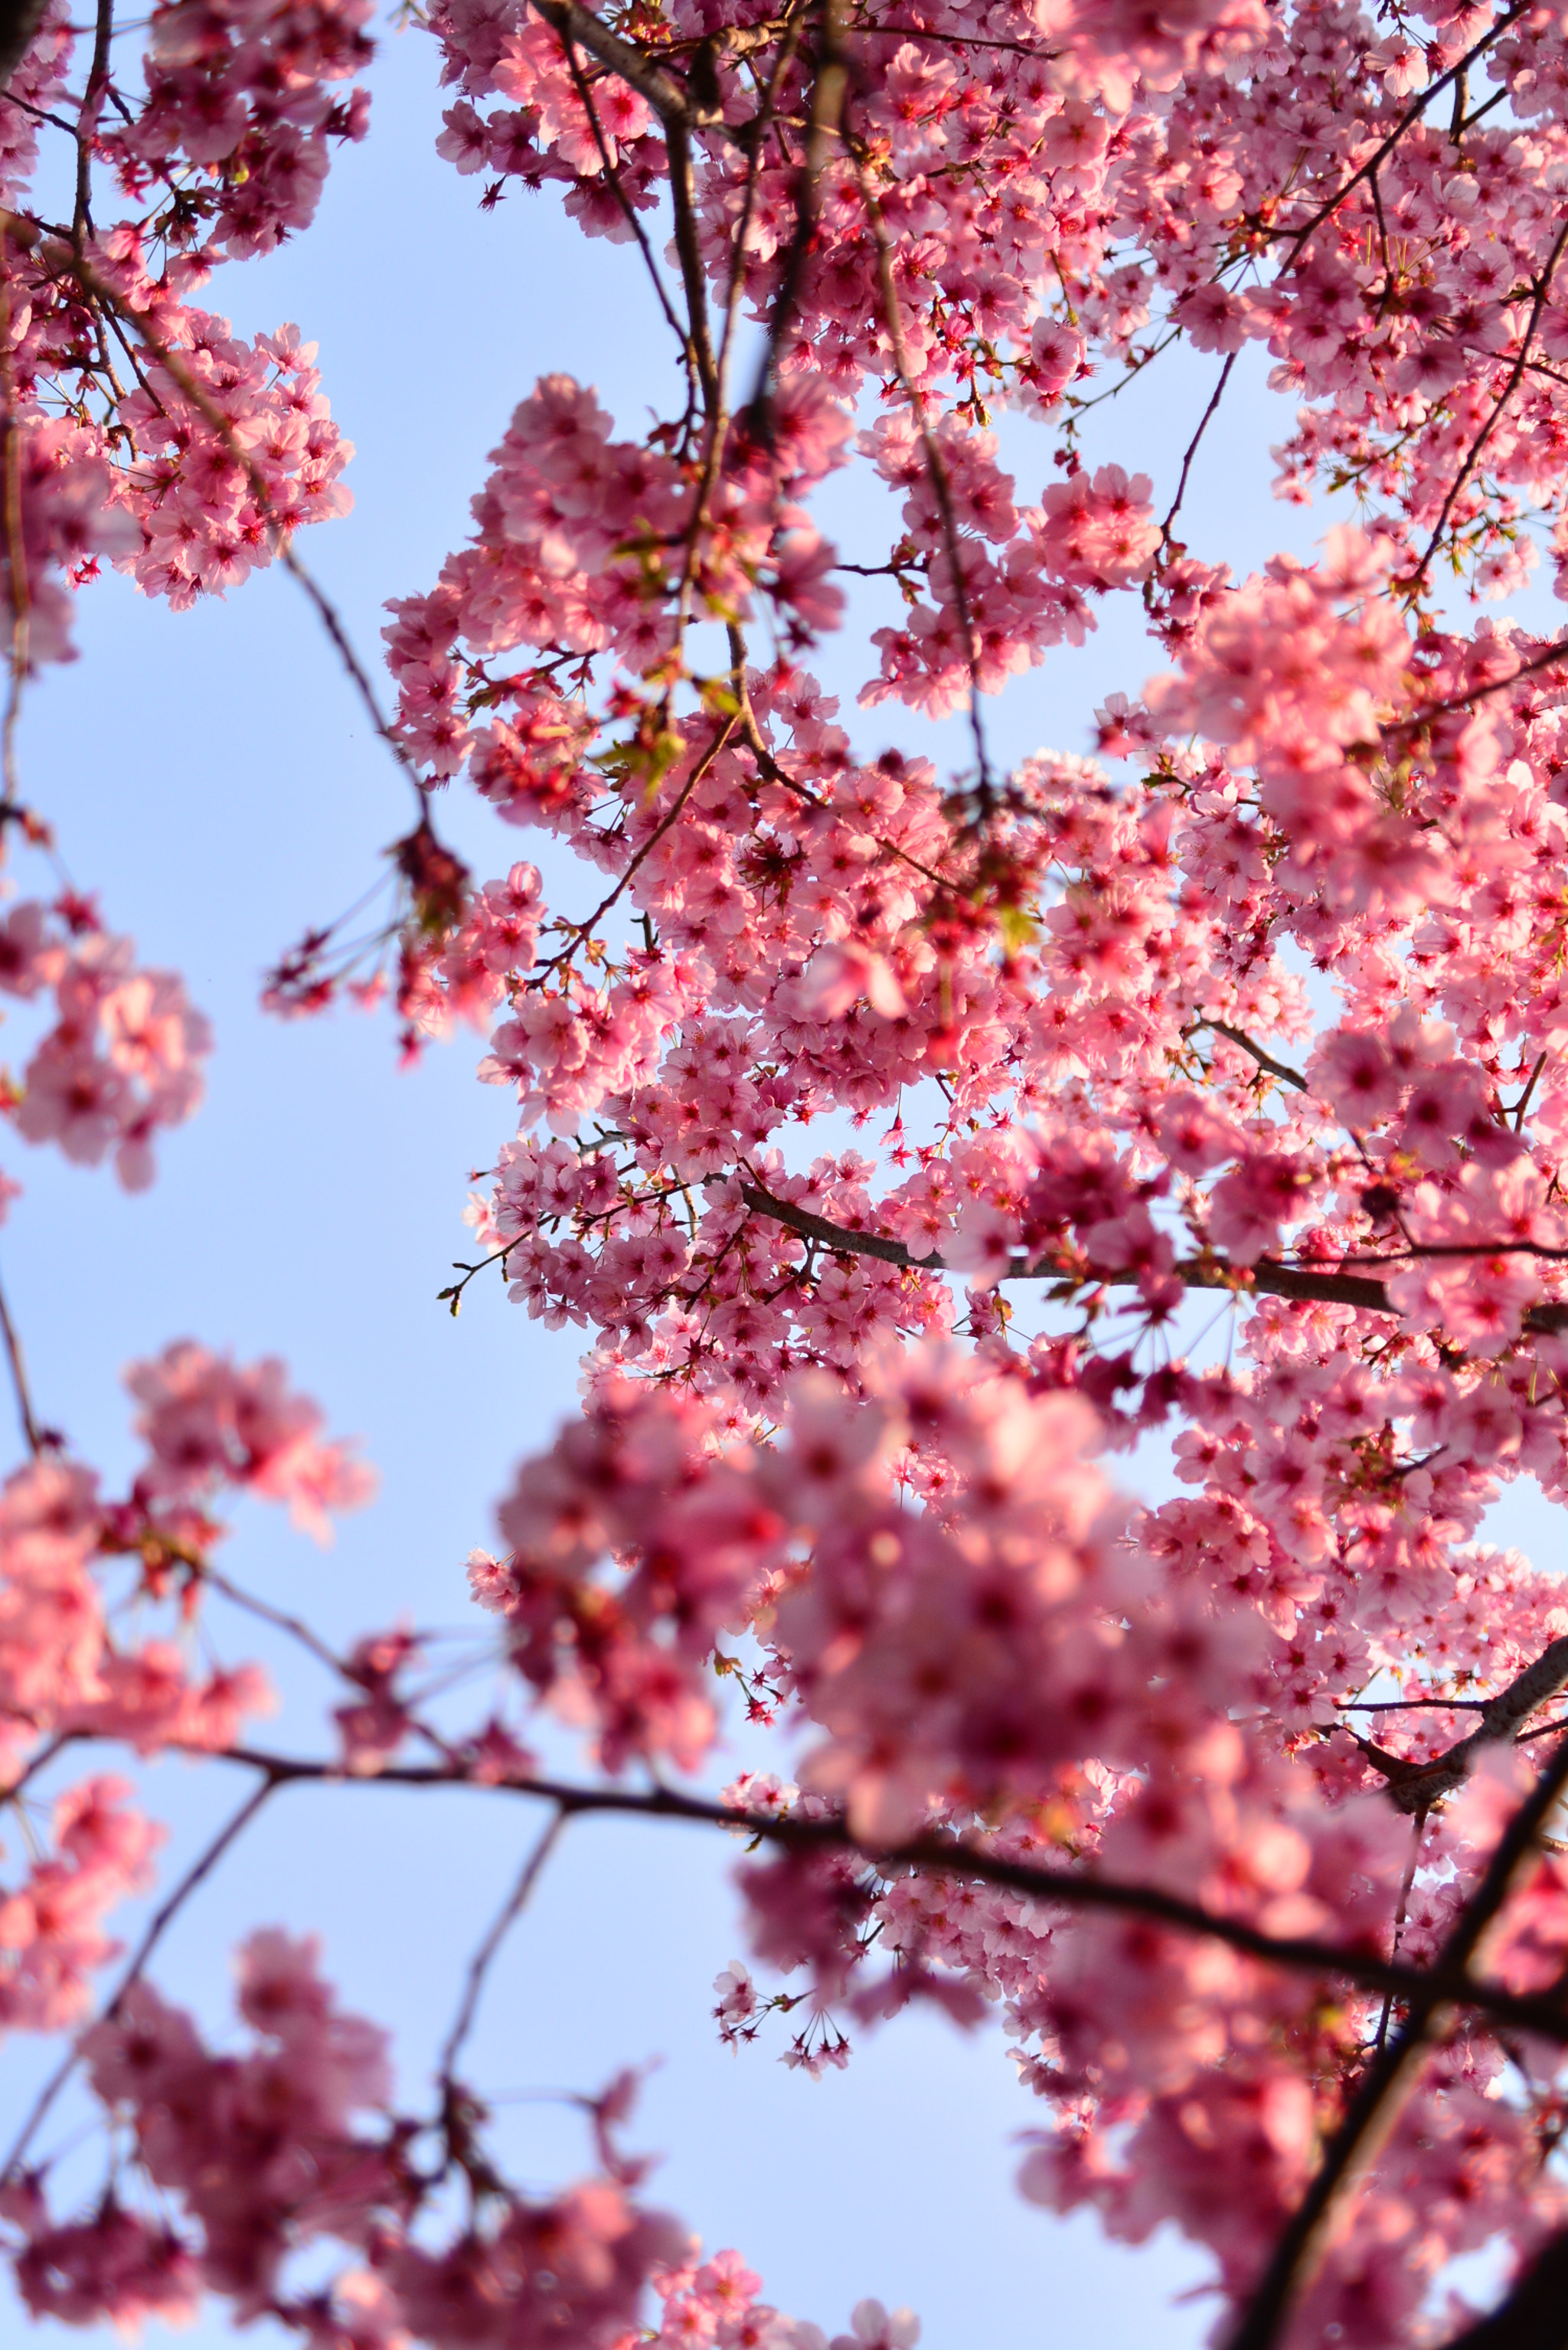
x: 212, y: 777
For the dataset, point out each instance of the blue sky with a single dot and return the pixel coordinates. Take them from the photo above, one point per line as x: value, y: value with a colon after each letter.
x: 212, y: 777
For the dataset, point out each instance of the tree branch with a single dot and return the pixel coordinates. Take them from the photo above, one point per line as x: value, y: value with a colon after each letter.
x: 1392, y: 2075
x: 1472, y: 455
x: 829, y: 89
x: 668, y: 100
x: 1412, y: 114
x: 19, y: 22
x: 948, y: 1855
x: 1216, y: 396
x: 1418, y: 1787
x: 1532, y: 2317
x: 1197, y: 1273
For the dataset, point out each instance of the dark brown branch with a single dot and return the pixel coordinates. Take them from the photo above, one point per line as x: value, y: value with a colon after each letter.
x: 19, y: 22
x: 1295, y: 1282
x: 829, y: 89
x: 950, y: 1857
x: 1372, y: 2111
x: 295, y: 1626
x: 1467, y: 700
x: 892, y: 318
x: 1281, y: 1069
x: 693, y: 275
x: 1215, y: 396
x: 613, y: 177
x: 581, y: 930
x: 668, y: 99
x: 87, y: 122
x: 1534, y: 2315
x: 1418, y: 1787
x: 1392, y: 2074
x: 1412, y: 114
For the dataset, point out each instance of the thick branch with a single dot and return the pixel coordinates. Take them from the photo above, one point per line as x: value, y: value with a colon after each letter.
x: 669, y: 100
x: 1417, y: 1787
x: 1534, y: 2316
x: 829, y: 88
x: 19, y: 22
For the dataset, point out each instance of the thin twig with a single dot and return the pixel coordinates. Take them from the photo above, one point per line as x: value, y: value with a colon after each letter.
x: 505, y: 1918
x: 1411, y: 583
x: 1216, y: 396
x: 581, y: 930
x: 612, y: 175
x: 1281, y: 1069
x: 280, y: 527
x: 1197, y: 1273
x: 33, y: 1435
x: 293, y: 1624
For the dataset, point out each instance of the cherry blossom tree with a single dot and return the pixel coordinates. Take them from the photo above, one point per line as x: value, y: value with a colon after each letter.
x: 1239, y: 1807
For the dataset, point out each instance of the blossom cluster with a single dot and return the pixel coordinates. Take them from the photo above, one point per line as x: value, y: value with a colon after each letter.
x: 243, y: 89
x: 124, y: 1057
x: 296, y: 2142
